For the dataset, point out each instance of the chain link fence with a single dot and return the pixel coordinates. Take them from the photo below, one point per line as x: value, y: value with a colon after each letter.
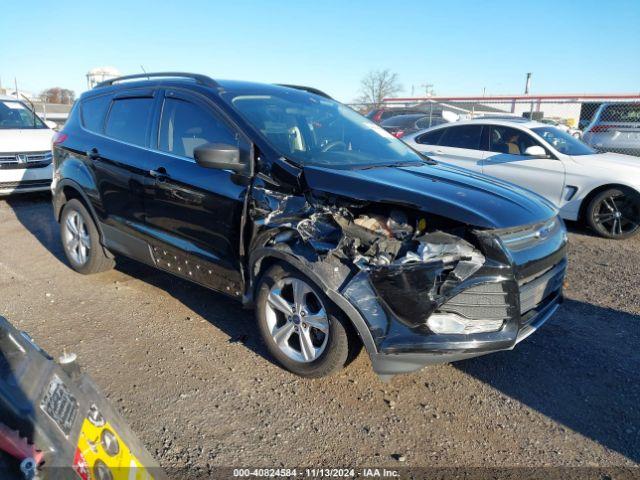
x: 608, y: 123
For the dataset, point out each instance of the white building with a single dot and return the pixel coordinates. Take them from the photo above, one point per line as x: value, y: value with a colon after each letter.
x: 100, y: 74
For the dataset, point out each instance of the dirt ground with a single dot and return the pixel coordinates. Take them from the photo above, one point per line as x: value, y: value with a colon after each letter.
x: 186, y: 368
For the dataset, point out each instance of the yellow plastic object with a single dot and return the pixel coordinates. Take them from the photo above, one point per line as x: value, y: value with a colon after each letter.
x: 101, y: 447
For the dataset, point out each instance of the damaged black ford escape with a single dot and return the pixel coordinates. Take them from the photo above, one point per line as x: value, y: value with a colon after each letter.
x: 338, y: 234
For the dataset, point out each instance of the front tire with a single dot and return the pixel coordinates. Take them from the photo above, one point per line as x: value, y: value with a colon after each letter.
x: 81, y: 240
x: 615, y: 213
x: 299, y: 325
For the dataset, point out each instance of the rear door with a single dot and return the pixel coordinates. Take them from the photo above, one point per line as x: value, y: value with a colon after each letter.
x: 458, y: 145
x: 193, y: 214
x: 122, y: 160
x: 505, y: 159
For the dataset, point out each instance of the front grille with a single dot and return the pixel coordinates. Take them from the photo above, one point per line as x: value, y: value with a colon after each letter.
x: 481, y: 302
x: 25, y: 184
x: 25, y: 160
x: 535, y: 289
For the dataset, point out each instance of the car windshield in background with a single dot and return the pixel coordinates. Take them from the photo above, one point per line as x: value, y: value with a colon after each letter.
x: 621, y: 113
x: 312, y: 130
x: 563, y: 141
x: 401, y: 121
x: 15, y: 114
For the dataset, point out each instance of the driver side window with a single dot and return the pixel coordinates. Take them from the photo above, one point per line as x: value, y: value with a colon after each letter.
x: 510, y: 140
x: 185, y: 126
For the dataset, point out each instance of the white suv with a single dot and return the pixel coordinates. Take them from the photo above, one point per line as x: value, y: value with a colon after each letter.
x: 598, y: 188
x: 25, y: 149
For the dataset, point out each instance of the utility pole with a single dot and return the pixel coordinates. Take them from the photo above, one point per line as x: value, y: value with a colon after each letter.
x: 15, y: 81
x: 527, y: 85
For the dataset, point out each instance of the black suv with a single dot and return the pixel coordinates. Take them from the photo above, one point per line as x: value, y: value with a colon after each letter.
x: 337, y: 233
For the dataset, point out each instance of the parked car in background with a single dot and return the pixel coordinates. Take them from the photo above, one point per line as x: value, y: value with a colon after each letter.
x: 615, y: 127
x: 601, y: 189
x: 574, y: 132
x: 25, y: 149
x: 402, y: 125
x: 337, y: 233
x: 377, y: 115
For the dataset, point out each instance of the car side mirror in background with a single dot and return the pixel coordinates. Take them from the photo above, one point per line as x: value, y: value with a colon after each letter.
x: 52, y: 125
x: 219, y: 155
x: 536, y: 151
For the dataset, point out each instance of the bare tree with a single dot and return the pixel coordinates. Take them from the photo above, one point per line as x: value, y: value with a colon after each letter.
x: 377, y: 85
x: 58, y: 95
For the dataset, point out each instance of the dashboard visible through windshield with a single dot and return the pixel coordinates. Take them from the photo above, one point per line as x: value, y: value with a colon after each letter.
x: 312, y: 130
x: 563, y: 142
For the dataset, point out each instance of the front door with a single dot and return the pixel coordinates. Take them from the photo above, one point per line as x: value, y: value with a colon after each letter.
x: 193, y: 214
x: 505, y: 159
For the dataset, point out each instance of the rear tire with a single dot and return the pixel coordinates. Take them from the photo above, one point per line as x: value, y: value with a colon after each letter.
x: 81, y: 240
x: 300, y: 326
x: 614, y: 213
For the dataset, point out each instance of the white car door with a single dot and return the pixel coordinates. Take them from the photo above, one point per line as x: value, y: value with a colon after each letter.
x: 458, y: 145
x: 506, y: 160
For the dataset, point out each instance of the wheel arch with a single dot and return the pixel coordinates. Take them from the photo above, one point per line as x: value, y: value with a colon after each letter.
x: 595, y: 191
x: 262, y: 259
x: 67, y: 190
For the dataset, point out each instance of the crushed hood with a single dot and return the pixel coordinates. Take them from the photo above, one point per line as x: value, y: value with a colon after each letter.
x: 438, y: 189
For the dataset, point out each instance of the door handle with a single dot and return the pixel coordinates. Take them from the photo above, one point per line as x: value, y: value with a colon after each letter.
x: 439, y: 151
x: 159, y: 174
x: 93, y: 154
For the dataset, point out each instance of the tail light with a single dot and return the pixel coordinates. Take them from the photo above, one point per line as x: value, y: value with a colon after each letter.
x: 59, y: 138
x: 603, y: 128
x: 398, y: 133
x: 378, y: 116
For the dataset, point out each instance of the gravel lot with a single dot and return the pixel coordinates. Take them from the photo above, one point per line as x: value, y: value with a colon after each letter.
x: 186, y: 368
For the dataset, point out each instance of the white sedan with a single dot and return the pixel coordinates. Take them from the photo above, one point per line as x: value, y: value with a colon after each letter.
x: 25, y: 149
x: 601, y: 189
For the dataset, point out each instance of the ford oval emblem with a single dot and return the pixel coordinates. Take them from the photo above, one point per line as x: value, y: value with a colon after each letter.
x: 544, y: 232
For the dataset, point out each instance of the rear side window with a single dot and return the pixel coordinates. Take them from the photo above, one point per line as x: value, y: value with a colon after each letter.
x: 465, y: 136
x: 186, y: 126
x: 129, y: 119
x: 431, y: 138
x: 93, y: 112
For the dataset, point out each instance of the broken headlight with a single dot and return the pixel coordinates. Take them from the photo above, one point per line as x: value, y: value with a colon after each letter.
x: 455, y: 324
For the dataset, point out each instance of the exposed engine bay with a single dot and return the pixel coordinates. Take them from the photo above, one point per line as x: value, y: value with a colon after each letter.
x: 386, y: 259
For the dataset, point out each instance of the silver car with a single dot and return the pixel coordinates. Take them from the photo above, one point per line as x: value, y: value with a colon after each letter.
x: 615, y: 127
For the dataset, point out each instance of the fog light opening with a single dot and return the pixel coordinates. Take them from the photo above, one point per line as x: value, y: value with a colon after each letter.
x: 455, y: 324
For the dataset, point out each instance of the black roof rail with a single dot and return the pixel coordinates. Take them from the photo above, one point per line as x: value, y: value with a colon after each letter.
x: 315, y: 91
x: 202, y: 79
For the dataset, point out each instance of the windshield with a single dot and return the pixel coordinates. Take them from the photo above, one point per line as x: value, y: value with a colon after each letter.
x: 312, y: 130
x: 14, y: 114
x: 563, y: 141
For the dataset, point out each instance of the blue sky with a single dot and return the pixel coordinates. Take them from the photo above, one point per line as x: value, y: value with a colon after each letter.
x: 461, y: 47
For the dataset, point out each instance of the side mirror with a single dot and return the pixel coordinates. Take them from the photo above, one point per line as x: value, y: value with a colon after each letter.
x: 536, y: 151
x: 219, y: 155
x: 51, y: 124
